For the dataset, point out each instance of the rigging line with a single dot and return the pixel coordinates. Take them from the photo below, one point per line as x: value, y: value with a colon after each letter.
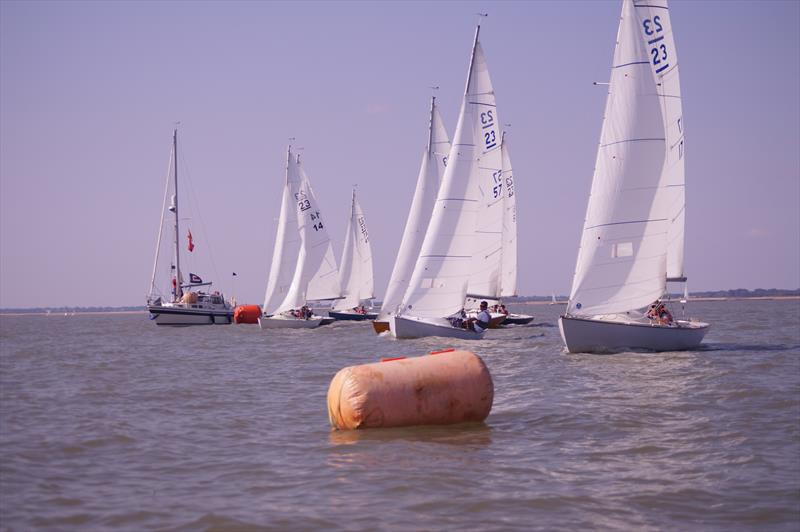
x: 196, y: 204
x: 652, y: 6
x: 161, y: 225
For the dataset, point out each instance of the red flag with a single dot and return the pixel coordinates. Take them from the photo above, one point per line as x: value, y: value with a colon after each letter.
x: 191, y: 244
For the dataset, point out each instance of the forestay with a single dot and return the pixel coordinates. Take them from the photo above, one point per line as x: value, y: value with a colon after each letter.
x: 637, y: 189
x: 438, y: 285
x: 434, y: 162
x: 356, y: 275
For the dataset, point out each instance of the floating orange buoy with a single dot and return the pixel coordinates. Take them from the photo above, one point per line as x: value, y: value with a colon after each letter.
x: 451, y: 387
x: 246, y: 314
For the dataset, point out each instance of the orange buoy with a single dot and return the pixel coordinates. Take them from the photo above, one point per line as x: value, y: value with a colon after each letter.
x: 246, y: 314
x: 451, y: 387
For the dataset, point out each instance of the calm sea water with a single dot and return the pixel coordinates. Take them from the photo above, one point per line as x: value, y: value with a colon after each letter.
x: 109, y: 422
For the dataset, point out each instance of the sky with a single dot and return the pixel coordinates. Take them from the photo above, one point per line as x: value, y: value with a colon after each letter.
x: 90, y: 93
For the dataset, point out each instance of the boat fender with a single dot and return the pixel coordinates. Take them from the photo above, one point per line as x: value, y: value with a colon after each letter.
x: 452, y: 387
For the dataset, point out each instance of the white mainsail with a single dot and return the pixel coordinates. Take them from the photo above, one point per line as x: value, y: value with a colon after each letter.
x: 655, y: 30
x: 508, y: 272
x: 434, y: 162
x: 487, y: 257
x: 634, y: 218
x: 287, y: 241
x: 316, y: 275
x: 439, y: 282
x: 356, y: 276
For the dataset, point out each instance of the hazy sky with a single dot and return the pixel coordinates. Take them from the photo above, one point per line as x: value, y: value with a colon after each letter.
x: 89, y: 92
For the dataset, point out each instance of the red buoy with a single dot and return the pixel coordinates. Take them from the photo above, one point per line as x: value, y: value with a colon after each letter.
x: 246, y: 314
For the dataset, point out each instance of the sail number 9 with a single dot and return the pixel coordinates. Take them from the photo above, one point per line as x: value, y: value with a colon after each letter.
x: 658, y: 48
x: 489, y: 133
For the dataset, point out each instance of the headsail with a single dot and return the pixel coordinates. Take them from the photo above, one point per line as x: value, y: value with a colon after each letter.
x: 434, y: 162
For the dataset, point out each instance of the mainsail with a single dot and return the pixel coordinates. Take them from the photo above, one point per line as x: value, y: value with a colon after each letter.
x: 439, y: 282
x: 508, y: 271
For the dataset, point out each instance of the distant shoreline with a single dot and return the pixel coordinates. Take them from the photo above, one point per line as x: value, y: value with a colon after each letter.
x: 531, y: 303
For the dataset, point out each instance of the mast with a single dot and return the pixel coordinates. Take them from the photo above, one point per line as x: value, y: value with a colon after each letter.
x: 430, y: 126
x: 178, y: 288
x: 472, y: 58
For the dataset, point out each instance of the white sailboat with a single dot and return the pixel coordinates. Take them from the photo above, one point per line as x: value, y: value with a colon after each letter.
x: 356, y: 274
x: 632, y: 242
x: 437, y: 290
x: 508, y: 251
x: 181, y: 303
x: 434, y: 162
x: 315, y: 276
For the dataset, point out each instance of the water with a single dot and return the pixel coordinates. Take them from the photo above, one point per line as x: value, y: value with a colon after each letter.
x: 107, y: 421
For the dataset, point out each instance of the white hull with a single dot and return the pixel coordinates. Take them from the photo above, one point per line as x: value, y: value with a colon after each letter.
x: 164, y: 315
x: 410, y: 327
x: 286, y: 322
x: 586, y: 335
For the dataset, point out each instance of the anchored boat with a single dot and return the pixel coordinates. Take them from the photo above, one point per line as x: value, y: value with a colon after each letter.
x: 172, y: 300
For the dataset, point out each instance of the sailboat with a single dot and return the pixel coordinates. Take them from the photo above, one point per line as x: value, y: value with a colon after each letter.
x: 434, y: 162
x: 356, y: 276
x: 632, y: 242
x: 181, y: 303
x: 303, y: 265
x: 495, y: 271
x: 433, y: 303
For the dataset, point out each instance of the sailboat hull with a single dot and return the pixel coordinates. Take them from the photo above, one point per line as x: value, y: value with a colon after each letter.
x: 518, y: 319
x: 285, y: 322
x: 586, y: 335
x: 410, y: 327
x: 352, y: 316
x: 164, y: 315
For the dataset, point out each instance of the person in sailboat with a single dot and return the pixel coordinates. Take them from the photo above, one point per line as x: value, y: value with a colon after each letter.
x: 480, y: 322
x: 659, y: 313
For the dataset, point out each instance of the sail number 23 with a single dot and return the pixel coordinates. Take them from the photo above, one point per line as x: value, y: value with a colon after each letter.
x: 489, y: 133
x: 659, y: 55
